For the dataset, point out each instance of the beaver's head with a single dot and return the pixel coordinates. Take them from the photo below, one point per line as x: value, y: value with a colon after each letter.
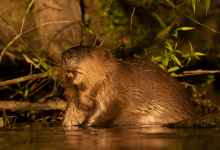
x: 86, y: 65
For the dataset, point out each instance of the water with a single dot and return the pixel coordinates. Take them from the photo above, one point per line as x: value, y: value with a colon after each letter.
x: 54, y: 137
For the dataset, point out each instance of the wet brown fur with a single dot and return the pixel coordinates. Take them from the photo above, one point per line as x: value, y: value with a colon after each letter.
x: 107, y: 91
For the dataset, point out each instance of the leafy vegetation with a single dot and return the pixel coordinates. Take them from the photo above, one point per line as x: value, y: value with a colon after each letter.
x: 171, y: 59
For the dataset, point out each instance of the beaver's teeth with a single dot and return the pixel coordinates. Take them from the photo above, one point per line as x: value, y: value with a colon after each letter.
x: 70, y: 75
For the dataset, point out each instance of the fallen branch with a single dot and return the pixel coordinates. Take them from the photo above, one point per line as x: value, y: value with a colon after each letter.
x: 25, y: 78
x: 54, y: 104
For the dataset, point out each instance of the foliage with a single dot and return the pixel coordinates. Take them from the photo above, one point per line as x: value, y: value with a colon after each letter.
x: 170, y: 56
x: 195, y: 3
x: 172, y: 59
x: 115, y: 14
x: 44, y: 65
x: 25, y: 93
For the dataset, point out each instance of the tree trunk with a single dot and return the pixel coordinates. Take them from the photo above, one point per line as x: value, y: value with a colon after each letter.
x: 57, y: 37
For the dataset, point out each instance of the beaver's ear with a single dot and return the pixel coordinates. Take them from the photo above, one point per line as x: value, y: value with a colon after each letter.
x: 106, y: 54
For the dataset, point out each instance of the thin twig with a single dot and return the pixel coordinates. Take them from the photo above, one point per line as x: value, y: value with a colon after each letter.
x: 18, y: 36
x: 197, y: 72
x: 105, y: 12
x: 74, y: 36
x: 131, y: 26
x: 47, y: 23
x: 55, y: 87
x: 103, y: 40
x: 187, y: 84
x: 24, y: 18
x: 38, y: 88
x: 38, y: 84
x: 17, y: 49
x: 29, y: 82
x: 96, y: 38
x: 82, y: 38
x: 102, y: 18
x: 14, y: 56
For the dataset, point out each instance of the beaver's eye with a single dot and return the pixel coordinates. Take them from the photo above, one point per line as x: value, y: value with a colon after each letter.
x: 88, y: 51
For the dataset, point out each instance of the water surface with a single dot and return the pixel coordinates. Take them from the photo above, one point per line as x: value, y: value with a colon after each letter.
x: 54, y: 137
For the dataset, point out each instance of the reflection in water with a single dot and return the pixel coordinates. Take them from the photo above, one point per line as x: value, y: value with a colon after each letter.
x: 127, y: 137
x: 54, y: 137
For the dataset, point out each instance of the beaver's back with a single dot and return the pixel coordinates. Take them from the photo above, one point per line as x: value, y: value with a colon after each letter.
x: 154, y: 96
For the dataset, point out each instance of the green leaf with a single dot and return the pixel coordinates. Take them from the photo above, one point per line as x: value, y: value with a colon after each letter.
x: 191, y: 47
x: 35, y: 59
x: 37, y: 66
x: 88, y: 30
x: 161, y: 66
x: 207, y: 4
x: 194, y: 5
x: 189, y: 59
x: 32, y: 112
x: 159, y: 38
x: 197, y: 1
x: 136, y: 56
x: 173, y: 69
x: 49, y: 71
x: 42, y: 60
x: 158, y: 58
x: 57, y: 69
x: 26, y: 92
x: 176, y: 60
x: 175, y: 45
x: 175, y: 34
x: 165, y: 53
x: 152, y: 58
x: 196, y: 56
x: 186, y: 28
x: 174, y: 75
x: 199, y: 54
x: 18, y: 91
x: 45, y: 75
x: 41, y: 100
x: 44, y: 66
x: 178, y: 51
x: 23, y: 48
x: 162, y: 24
x: 168, y: 46
x: 166, y: 61
x: 19, y: 85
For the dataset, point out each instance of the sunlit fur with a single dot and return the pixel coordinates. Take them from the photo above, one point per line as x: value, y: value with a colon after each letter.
x: 107, y: 91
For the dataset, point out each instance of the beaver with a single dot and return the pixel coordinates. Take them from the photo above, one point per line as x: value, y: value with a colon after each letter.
x: 103, y: 90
